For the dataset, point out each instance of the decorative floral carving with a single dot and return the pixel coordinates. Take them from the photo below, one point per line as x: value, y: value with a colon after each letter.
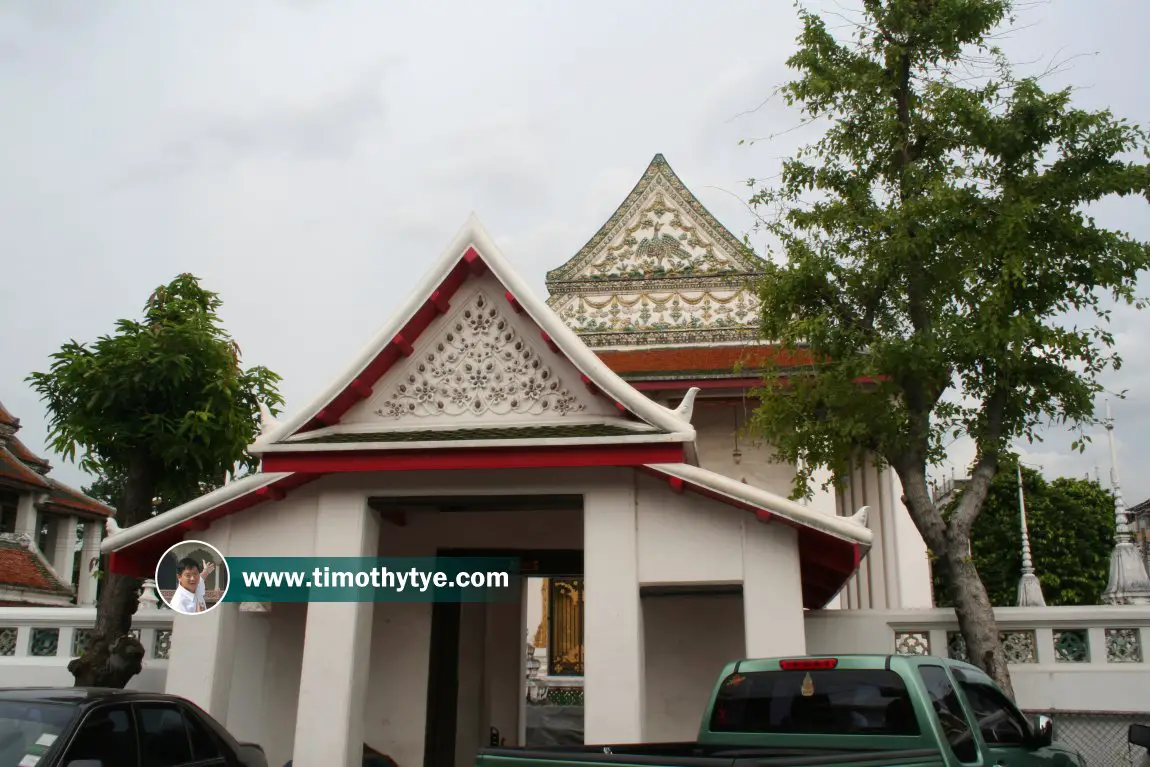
x: 645, y: 250
x: 480, y: 366
x: 1123, y: 646
x: 647, y: 312
x: 912, y: 643
x: 8, y: 641
x: 45, y: 642
x: 80, y: 641
x: 1071, y: 646
x: 162, y: 644
x: 1019, y: 646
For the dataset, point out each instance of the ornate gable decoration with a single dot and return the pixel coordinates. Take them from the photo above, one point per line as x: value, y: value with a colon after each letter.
x: 661, y: 270
x: 478, y: 366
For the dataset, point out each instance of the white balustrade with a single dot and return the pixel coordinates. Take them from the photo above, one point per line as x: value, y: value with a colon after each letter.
x: 1082, y: 658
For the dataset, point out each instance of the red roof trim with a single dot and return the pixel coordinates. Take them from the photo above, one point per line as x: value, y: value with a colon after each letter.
x: 438, y: 303
x: 826, y: 561
x: 139, y: 558
x: 475, y: 458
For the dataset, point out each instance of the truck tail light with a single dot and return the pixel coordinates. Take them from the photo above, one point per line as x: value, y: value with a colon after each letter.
x: 808, y: 664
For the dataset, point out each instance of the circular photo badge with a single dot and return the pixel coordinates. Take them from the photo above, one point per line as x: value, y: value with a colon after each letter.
x: 192, y: 577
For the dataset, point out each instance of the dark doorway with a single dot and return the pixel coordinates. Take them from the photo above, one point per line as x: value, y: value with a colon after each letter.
x: 443, y: 674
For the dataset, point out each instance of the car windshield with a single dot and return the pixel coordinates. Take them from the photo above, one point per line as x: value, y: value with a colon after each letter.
x: 30, y: 729
x: 824, y: 702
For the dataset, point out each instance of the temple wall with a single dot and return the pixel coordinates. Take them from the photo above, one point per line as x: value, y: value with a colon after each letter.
x: 687, y: 538
x: 688, y: 641
x: 716, y: 426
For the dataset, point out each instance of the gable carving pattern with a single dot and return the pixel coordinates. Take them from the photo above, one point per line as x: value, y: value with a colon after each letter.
x: 481, y: 365
x: 657, y: 311
x: 660, y: 243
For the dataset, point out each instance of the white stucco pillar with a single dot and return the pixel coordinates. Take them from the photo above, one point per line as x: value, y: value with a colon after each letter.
x: 337, y: 645
x: 202, y: 656
x: 772, y: 590
x: 28, y: 516
x: 614, y: 685
x: 89, y: 562
x: 64, y: 555
x: 247, y: 719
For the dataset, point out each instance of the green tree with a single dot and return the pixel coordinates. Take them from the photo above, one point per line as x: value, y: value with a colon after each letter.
x: 158, y: 410
x: 1071, y: 531
x: 933, y: 243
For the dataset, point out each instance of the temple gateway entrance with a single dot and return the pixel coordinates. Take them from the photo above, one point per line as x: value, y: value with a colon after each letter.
x: 476, y: 692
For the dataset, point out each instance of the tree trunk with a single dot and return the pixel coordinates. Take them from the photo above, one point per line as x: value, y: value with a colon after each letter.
x: 975, y: 614
x: 113, y: 655
x: 951, y: 544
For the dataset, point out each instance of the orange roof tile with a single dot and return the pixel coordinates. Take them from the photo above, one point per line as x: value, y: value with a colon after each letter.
x: 21, y: 451
x: 23, y: 569
x: 676, y: 362
x: 13, y: 469
x: 7, y: 418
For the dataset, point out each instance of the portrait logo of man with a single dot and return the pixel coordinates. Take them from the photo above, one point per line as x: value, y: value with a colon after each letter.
x: 192, y: 577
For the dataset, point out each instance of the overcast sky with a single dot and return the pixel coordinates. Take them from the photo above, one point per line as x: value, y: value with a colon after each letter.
x: 309, y: 160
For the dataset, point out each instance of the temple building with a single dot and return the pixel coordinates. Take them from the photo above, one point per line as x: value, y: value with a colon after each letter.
x: 49, y: 533
x: 598, y: 437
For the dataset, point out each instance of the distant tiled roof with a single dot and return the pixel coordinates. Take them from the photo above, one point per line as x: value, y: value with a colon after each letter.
x: 65, y: 499
x: 21, y: 451
x: 698, y: 361
x: 13, y: 470
x: 1142, y: 508
x: 22, y: 568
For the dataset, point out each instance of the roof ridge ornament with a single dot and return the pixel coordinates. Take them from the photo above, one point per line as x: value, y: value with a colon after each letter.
x: 268, y: 422
x: 686, y: 408
x: 860, y: 517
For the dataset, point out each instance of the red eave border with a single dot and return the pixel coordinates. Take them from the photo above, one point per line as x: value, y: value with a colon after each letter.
x: 551, y: 456
x: 826, y: 562
x: 139, y: 559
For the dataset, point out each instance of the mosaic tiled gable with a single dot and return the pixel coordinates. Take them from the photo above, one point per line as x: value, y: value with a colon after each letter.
x: 662, y: 270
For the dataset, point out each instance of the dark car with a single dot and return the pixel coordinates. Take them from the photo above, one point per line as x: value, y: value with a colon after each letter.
x: 95, y: 727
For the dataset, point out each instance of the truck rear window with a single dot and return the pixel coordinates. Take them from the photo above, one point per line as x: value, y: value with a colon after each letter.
x: 824, y: 702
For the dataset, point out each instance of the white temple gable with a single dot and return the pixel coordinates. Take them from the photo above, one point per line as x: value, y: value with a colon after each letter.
x: 480, y: 364
x: 661, y: 270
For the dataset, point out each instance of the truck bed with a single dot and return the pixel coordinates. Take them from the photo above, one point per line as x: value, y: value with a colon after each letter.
x: 693, y: 754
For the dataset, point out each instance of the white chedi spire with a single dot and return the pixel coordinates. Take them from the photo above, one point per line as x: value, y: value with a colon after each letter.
x: 1129, y: 582
x: 1029, y: 588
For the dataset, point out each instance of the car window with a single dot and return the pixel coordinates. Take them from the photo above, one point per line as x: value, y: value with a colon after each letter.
x: 106, y: 734
x: 31, y: 728
x: 204, y: 745
x: 826, y: 702
x: 163, y: 735
x: 946, y: 705
x: 1000, y: 723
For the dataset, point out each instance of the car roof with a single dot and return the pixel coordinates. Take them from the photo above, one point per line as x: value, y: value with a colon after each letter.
x: 77, y: 696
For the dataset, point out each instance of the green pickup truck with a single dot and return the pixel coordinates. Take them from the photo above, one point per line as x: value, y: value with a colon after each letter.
x: 843, y: 711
